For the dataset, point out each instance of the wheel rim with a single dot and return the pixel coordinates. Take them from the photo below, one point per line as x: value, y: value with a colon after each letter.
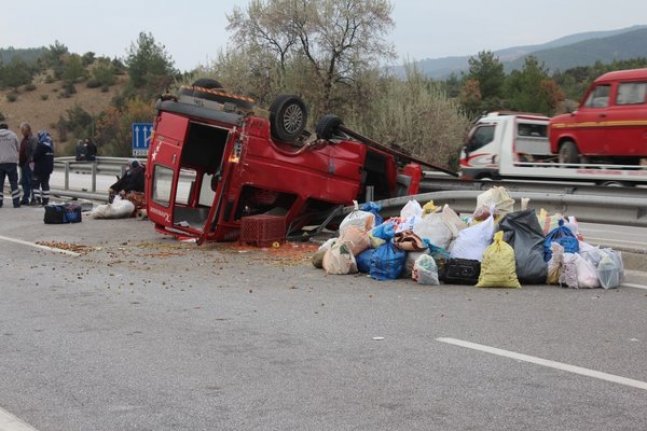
x: 292, y: 118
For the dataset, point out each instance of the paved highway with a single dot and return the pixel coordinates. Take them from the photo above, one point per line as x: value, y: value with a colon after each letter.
x: 140, y: 332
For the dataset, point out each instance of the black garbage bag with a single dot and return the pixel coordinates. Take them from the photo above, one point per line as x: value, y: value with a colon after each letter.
x: 522, y: 231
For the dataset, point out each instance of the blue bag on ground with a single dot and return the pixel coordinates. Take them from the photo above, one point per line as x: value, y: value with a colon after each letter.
x: 387, y: 262
x: 364, y: 260
x: 564, y: 237
x: 385, y: 231
x: 375, y: 209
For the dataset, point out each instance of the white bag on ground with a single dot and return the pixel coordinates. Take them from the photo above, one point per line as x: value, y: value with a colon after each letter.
x: 609, y: 272
x: 555, y: 264
x: 412, y: 256
x: 119, y: 208
x: 425, y: 270
x: 411, y: 209
x: 498, y: 197
x: 587, y: 276
x: 453, y: 221
x: 434, y: 228
x: 339, y: 260
x: 472, y: 242
x: 362, y: 219
x: 568, y: 276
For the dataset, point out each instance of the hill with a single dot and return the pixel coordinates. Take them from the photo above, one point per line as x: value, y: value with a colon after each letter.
x: 623, y: 46
x: 44, y: 114
x: 604, y: 45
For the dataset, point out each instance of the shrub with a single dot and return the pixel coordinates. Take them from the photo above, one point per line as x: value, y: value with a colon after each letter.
x: 12, y: 97
x: 44, y: 96
x: 30, y: 87
x: 49, y: 79
x: 2, y: 117
x: 93, y: 83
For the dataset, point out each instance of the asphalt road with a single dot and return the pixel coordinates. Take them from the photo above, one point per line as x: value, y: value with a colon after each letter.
x: 141, y: 332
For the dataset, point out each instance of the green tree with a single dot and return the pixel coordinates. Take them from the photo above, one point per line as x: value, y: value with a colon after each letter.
x: 332, y: 41
x: 150, y: 67
x: 104, y: 72
x: 488, y: 71
x: 531, y: 89
x: 73, y: 69
x: 15, y: 73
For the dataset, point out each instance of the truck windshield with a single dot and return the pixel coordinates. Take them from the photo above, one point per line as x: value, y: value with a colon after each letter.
x: 481, y: 136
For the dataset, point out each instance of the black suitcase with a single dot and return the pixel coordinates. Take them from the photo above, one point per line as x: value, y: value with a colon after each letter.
x: 60, y: 214
x: 461, y: 271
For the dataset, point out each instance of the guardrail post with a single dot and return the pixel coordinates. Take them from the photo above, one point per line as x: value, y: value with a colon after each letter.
x: 67, y: 175
x: 94, y: 177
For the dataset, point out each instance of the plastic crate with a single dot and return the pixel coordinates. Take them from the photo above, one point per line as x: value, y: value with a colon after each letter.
x: 262, y: 230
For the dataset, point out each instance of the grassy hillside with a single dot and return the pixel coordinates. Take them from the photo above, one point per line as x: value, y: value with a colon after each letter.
x: 43, y: 106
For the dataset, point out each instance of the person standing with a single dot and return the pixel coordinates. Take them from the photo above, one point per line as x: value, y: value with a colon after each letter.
x: 27, y: 148
x: 43, y: 167
x: 9, y: 149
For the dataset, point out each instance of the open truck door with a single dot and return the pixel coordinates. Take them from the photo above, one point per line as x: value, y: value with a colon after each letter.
x: 186, y: 171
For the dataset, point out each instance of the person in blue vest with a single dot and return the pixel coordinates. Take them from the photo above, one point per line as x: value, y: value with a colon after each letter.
x: 43, y: 167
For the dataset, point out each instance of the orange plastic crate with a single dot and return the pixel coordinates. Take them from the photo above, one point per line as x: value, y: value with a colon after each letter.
x: 262, y: 230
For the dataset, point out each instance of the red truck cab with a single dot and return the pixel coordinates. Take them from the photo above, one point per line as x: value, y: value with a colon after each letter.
x: 210, y: 164
x: 610, y: 124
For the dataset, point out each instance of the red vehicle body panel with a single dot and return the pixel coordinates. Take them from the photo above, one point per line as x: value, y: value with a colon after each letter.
x: 610, y: 126
x: 208, y: 170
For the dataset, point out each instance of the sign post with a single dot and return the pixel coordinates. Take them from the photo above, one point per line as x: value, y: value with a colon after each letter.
x: 141, y: 138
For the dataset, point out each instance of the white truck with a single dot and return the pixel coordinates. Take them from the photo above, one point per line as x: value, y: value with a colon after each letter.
x: 515, y: 145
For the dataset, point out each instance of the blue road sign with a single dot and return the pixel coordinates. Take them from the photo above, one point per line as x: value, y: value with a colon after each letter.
x: 141, y: 138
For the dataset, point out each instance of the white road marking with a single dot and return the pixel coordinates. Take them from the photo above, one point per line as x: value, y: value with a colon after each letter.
x: 39, y: 246
x: 547, y: 363
x: 9, y: 422
x: 635, y: 286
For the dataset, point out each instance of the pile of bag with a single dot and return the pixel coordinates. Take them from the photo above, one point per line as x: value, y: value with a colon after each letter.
x: 494, y: 247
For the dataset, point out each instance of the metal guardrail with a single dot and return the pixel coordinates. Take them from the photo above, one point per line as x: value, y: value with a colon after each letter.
x: 102, y: 165
x: 607, y: 209
x: 596, y: 204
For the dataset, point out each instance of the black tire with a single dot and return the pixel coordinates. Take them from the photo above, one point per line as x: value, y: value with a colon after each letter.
x: 327, y: 126
x: 568, y: 153
x: 288, y: 118
x: 207, y: 83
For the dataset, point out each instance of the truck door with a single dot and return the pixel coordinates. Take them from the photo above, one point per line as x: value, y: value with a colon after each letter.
x: 163, y: 170
x: 627, y: 130
x: 591, y: 120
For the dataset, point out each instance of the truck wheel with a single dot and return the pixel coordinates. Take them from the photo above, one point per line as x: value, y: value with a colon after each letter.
x: 568, y: 153
x: 288, y: 118
x: 207, y: 83
x: 327, y: 126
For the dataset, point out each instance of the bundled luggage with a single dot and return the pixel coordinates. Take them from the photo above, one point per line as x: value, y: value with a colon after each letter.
x: 61, y: 214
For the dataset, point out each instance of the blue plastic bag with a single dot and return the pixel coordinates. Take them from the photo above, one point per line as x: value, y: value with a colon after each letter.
x: 364, y: 260
x: 564, y: 237
x: 387, y: 262
x: 385, y: 231
x: 375, y: 209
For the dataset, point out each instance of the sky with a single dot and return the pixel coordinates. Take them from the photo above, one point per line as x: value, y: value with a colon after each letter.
x: 193, y: 32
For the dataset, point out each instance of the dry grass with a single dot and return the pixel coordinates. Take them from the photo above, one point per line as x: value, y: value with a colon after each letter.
x: 43, y: 114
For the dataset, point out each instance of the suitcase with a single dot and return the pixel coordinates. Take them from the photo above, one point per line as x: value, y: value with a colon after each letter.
x: 461, y: 271
x: 60, y: 214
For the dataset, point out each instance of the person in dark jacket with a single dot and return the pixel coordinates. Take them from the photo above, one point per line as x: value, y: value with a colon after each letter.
x: 9, y: 148
x: 43, y: 167
x: 131, y: 181
x: 27, y: 148
x: 90, y: 150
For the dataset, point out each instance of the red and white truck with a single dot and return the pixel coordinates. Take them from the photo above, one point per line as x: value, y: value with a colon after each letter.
x: 516, y: 145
